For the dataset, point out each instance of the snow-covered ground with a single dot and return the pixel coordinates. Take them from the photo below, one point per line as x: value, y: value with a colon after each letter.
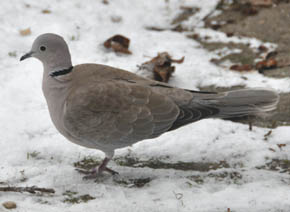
x: 32, y: 152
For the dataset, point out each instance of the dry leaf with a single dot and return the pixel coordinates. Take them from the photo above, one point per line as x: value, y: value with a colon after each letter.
x: 281, y: 145
x: 245, y: 67
x: 206, y: 37
x: 268, y: 133
x: 153, y: 28
x: 214, y: 61
x: 46, y: 11
x: 271, y: 149
x: 195, y: 36
x: 118, y: 43
x: 266, y: 64
x: 271, y: 55
x: 262, y: 48
x: 161, y: 66
x: 231, y: 21
x: 215, y: 26
x: 230, y: 34
x: 25, y: 32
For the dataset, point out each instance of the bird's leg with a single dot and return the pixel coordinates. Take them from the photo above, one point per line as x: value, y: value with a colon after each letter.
x: 96, y: 172
x: 103, y: 167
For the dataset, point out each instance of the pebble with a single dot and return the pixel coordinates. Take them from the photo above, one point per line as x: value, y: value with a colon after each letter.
x: 9, y: 205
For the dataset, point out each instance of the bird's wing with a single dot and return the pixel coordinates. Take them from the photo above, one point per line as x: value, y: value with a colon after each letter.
x: 142, y: 89
x: 115, y: 110
x: 191, y: 104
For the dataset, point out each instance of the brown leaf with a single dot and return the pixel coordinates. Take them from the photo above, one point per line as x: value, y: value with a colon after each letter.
x: 118, y: 43
x: 245, y: 67
x: 206, y: 37
x: 153, y: 28
x: 231, y: 21
x: 266, y: 64
x: 215, y: 26
x: 262, y: 48
x: 230, y: 34
x: 177, y: 61
x: 163, y: 74
x: 161, y: 66
x: 271, y: 55
x: 271, y: 149
x: 281, y: 145
x: 194, y: 36
x: 268, y: 133
x: 214, y: 61
x: 25, y: 32
x: 46, y: 11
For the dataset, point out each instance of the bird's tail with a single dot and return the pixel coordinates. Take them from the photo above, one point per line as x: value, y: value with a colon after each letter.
x: 242, y: 102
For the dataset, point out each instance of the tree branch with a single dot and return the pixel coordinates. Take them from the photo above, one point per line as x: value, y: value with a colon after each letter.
x: 32, y: 189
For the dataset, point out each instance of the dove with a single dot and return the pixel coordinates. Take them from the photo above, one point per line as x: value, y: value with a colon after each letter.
x: 106, y: 108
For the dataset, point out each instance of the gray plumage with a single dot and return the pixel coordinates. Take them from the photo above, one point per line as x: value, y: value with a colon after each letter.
x: 106, y: 108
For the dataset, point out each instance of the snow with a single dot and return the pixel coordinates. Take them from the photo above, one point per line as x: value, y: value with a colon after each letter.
x: 34, y: 153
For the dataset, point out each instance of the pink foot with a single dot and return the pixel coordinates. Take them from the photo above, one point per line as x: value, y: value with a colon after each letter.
x: 97, y: 172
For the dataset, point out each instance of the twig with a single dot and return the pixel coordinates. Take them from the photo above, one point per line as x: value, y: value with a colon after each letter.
x: 32, y: 189
x: 250, y: 125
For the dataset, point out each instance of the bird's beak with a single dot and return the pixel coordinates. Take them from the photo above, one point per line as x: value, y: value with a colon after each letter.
x: 27, y: 55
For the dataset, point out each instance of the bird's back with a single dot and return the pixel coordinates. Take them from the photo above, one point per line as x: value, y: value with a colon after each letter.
x: 116, y: 108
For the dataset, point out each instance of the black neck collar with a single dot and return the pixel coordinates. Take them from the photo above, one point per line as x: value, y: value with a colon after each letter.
x: 61, y: 72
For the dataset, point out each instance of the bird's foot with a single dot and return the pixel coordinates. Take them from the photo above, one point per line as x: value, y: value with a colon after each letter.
x: 97, y: 172
x: 111, y: 171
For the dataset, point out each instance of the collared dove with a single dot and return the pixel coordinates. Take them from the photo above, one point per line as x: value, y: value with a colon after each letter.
x: 106, y: 108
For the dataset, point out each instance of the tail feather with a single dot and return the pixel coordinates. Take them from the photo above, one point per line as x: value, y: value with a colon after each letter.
x: 230, y: 104
x: 243, y: 102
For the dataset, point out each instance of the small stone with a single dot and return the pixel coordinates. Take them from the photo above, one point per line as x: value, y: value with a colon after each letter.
x: 9, y: 205
x: 116, y: 19
x: 25, y: 32
x: 46, y: 11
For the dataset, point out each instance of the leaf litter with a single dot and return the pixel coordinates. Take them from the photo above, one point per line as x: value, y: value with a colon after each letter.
x: 161, y: 66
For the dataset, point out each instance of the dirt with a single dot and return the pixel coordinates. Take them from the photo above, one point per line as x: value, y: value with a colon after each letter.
x: 269, y: 24
x: 88, y: 163
x: 278, y: 165
x: 72, y: 197
x: 159, y: 164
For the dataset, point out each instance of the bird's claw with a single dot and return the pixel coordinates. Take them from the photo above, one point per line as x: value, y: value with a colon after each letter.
x: 96, y: 173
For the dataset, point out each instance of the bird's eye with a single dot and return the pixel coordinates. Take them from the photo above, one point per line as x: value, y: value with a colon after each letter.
x: 43, y: 48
